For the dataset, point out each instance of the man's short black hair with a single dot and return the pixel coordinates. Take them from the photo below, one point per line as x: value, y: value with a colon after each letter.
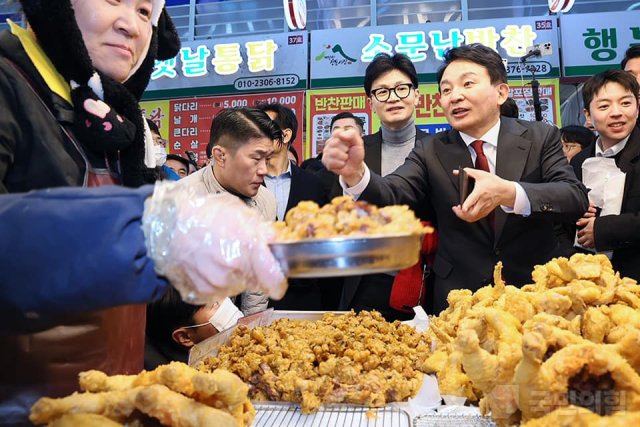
x: 347, y: 115
x: 179, y: 158
x: 598, y: 81
x: 631, y: 53
x: 579, y: 134
x: 234, y: 127
x: 153, y: 127
x: 510, y: 109
x: 383, y: 63
x: 168, y: 314
x: 478, y: 54
x: 285, y: 118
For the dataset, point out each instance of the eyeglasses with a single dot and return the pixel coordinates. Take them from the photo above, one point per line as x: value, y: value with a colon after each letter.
x: 383, y: 94
x: 568, y: 146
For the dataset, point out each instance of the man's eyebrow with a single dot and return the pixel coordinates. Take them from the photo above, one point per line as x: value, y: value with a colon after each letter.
x: 467, y: 74
x: 263, y: 152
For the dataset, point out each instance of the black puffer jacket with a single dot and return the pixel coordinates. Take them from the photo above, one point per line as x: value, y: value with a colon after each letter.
x: 35, y: 152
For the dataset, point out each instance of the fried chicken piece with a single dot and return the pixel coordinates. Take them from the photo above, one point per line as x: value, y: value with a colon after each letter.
x: 175, y: 410
x: 116, y: 405
x: 549, y: 385
x: 83, y: 420
x: 219, y: 389
x: 453, y: 381
x: 596, y: 324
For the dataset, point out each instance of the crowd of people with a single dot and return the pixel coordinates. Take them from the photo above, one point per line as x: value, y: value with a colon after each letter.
x: 107, y: 272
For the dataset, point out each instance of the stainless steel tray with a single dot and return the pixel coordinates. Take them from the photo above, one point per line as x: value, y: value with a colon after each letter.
x: 347, y: 256
x: 281, y: 415
x: 441, y: 420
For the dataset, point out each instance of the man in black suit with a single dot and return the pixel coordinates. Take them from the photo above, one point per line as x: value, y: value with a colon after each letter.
x: 523, y: 183
x: 291, y: 185
x: 611, y: 101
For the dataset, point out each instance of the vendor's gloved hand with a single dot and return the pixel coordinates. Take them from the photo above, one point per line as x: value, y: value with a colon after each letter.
x: 210, y: 247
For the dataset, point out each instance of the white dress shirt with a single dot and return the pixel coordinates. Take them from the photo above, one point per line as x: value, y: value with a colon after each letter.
x: 280, y: 186
x: 611, y: 151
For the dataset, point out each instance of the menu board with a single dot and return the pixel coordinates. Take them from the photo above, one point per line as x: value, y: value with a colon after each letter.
x: 185, y: 123
x: 549, y: 93
x: 322, y: 105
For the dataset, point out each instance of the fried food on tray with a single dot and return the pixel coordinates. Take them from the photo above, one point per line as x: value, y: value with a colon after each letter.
x: 174, y: 409
x: 173, y: 395
x: 83, y: 420
x: 220, y: 389
x: 358, y: 359
x: 347, y: 217
x: 524, y: 352
x: 118, y: 406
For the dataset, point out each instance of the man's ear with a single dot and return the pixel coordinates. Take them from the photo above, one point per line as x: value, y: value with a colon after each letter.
x: 218, y: 155
x: 587, y: 115
x: 286, y: 136
x: 417, y: 100
x: 503, y: 92
x: 182, y: 337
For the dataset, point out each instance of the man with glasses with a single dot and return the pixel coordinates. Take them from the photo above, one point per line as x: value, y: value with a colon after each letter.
x: 574, y: 139
x: 391, y: 86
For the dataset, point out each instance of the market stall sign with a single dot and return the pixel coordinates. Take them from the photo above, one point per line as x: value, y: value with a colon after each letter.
x: 323, y: 104
x: 339, y: 58
x: 225, y: 66
x: 186, y: 122
x: 598, y: 41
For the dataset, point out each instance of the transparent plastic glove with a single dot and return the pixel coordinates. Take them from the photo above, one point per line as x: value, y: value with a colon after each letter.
x: 210, y: 247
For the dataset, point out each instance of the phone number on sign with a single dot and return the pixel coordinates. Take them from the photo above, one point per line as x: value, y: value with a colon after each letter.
x: 540, y: 68
x: 265, y: 82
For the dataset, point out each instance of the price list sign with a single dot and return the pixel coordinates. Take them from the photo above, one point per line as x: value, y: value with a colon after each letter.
x: 186, y: 123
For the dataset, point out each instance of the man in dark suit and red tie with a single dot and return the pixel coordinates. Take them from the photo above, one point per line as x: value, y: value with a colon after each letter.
x: 509, y: 215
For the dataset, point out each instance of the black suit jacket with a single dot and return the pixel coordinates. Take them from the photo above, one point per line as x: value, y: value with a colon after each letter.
x: 305, y: 185
x: 373, y: 159
x: 621, y: 233
x: 529, y: 153
x: 303, y: 294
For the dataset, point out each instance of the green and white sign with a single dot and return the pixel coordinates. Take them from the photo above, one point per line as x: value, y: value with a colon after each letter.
x: 595, y: 42
x: 339, y: 58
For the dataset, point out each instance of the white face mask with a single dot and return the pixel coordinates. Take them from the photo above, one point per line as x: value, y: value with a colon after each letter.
x: 161, y: 155
x: 226, y: 316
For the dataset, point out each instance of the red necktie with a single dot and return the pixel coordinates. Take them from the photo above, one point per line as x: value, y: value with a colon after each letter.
x: 483, y: 164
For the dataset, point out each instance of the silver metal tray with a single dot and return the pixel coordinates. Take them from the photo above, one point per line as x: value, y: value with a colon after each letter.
x: 347, y: 256
x: 441, y: 420
x: 289, y: 415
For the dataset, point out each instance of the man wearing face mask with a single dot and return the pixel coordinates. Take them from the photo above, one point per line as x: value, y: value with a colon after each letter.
x: 160, y: 152
x: 173, y: 327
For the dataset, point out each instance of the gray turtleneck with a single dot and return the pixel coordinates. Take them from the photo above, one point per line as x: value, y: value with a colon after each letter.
x: 396, y: 146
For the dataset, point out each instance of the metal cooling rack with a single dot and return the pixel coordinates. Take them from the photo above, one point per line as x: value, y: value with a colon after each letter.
x: 435, y: 420
x: 287, y: 415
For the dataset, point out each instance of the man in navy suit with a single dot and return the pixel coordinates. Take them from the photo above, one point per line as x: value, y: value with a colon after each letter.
x: 291, y: 185
x: 611, y: 102
x: 523, y: 183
